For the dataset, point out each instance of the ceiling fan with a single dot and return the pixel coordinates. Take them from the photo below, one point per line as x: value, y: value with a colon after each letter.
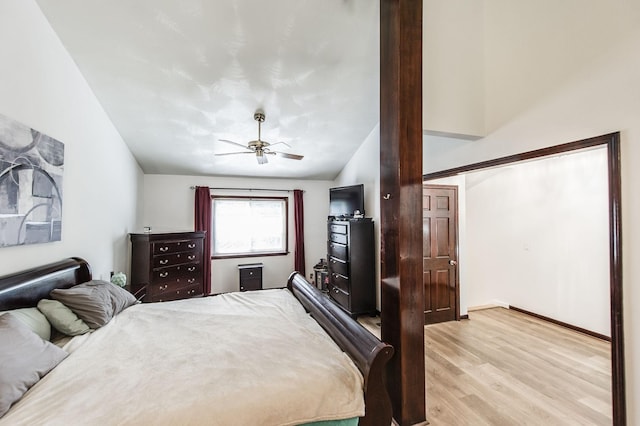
x: 260, y: 147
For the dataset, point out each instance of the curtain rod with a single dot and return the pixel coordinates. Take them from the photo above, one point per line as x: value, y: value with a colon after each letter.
x: 250, y: 189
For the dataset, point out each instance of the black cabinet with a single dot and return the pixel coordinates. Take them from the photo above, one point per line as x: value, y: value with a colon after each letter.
x: 250, y: 276
x: 351, y: 259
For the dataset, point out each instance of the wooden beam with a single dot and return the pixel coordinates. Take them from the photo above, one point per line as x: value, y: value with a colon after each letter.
x: 401, y: 204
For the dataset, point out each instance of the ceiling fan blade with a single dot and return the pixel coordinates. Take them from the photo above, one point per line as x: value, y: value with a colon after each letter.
x: 235, y: 143
x: 280, y: 143
x: 289, y: 156
x: 234, y: 153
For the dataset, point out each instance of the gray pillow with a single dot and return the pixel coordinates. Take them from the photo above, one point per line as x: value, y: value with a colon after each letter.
x: 24, y: 359
x: 95, y: 302
x: 34, y: 319
x: 62, y: 318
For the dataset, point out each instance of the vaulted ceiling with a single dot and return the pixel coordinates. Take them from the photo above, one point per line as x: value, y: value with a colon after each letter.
x: 176, y: 76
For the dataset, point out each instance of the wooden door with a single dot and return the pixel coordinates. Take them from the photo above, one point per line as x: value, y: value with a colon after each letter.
x: 439, y: 253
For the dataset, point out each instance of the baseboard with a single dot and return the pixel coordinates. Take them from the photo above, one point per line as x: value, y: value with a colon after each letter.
x: 562, y: 324
x: 465, y: 316
x: 493, y: 304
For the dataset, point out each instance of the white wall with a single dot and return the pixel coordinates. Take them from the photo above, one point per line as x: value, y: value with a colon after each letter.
x: 533, y: 49
x: 364, y: 168
x: 563, y: 71
x: 453, y: 67
x: 40, y: 86
x: 538, y: 238
x: 178, y: 215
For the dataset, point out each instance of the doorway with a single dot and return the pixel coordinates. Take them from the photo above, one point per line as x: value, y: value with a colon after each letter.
x: 612, y: 144
x: 439, y: 253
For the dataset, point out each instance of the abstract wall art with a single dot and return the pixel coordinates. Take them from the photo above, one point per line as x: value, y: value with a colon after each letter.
x: 31, y: 166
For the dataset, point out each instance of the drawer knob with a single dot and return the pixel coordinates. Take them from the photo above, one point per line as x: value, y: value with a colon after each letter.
x: 163, y: 249
x: 191, y: 268
x: 164, y: 274
x: 191, y: 280
x: 191, y: 256
x: 336, y: 290
x: 163, y: 287
x: 164, y: 261
x: 192, y: 245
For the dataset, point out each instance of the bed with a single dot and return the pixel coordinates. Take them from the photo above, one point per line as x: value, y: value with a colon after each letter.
x: 271, y: 357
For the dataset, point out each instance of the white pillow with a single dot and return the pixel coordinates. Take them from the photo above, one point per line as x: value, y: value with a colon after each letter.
x: 24, y: 359
x: 34, y: 319
x: 62, y: 318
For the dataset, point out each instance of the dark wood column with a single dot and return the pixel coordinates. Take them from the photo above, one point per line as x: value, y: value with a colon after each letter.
x: 401, y: 204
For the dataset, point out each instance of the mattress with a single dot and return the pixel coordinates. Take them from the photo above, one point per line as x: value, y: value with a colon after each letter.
x: 254, y: 358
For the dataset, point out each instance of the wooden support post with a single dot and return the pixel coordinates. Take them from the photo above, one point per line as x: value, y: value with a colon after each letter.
x: 401, y: 204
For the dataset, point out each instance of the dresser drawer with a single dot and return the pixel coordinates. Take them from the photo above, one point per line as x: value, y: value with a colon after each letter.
x: 177, y: 292
x: 339, y: 281
x: 176, y: 273
x: 340, y: 296
x: 338, y: 238
x: 338, y: 266
x: 253, y: 273
x: 167, y: 247
x: 337, y: 228
x: 161, y: 261
x: 339, y: 251
x: 251, y: 284
x: 160, y: 288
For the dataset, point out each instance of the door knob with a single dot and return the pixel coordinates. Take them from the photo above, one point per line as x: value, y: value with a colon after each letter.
x: 452, y: 262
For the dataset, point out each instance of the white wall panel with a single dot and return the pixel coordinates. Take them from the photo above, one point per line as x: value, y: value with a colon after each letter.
x: 40, y: 86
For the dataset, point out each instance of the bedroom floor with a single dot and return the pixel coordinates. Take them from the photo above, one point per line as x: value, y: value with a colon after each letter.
x: 503, y: 367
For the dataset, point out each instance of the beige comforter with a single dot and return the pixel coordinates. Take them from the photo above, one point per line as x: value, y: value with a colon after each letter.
x: 251, y: 358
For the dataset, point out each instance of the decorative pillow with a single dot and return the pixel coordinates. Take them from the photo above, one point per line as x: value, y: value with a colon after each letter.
x: 24, y: 359
x: 62, y: 318
x: 33, y: 319
x: 95, y: 302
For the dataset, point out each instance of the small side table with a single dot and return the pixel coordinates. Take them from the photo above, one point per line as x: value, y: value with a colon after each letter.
x: 250, y: 276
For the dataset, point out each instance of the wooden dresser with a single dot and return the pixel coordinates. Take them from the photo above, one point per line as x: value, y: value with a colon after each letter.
x: 168, y: 265
x: 351, y: 259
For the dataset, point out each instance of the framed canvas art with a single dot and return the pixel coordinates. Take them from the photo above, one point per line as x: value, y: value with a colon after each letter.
x: 31, y: 166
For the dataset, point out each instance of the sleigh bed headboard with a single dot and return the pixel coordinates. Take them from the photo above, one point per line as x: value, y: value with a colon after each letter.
x: 24, y: 289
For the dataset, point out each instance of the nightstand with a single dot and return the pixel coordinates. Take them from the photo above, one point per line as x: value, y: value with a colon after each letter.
x: 250, y: 276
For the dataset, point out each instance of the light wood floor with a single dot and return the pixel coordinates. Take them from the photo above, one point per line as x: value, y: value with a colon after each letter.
x: 503, y: 367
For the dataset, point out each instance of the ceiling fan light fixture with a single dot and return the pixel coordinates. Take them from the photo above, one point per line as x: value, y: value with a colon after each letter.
x: 262, y: 159
x: 260, y: 147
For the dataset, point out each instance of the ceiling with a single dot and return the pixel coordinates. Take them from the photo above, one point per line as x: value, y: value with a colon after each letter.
x: 176, y: 76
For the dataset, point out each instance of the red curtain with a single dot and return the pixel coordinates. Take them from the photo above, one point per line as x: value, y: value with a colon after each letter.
x: 298, y: 213
x: 203, y: 223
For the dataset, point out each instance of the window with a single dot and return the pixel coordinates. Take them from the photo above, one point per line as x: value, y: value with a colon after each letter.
x: 249, y: 226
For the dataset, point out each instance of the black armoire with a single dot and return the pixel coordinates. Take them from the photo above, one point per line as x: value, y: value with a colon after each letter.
x: 351, y: 259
